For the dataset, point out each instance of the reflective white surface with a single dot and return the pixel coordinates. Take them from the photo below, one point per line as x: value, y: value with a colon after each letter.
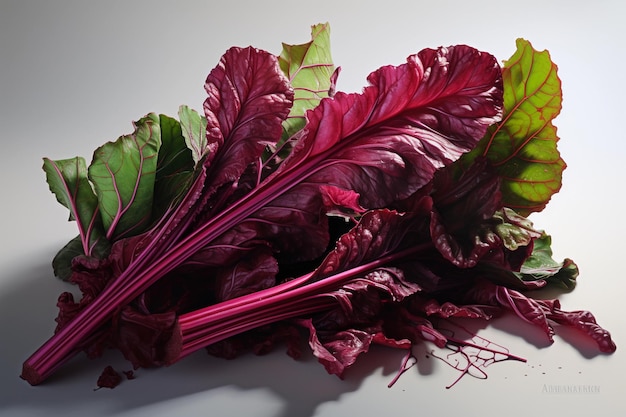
x: 74, y: 74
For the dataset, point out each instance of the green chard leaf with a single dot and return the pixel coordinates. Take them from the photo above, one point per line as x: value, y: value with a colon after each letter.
x: 136, y: 179
x: 174, y: 167
x: 68, y: 181
x: 523, y: 146
x: 309, y: 67
x: 62, y: 261
x: 194, y: 131
x: 541, y: 265
x: 515, y: 231
x: 123, y: 174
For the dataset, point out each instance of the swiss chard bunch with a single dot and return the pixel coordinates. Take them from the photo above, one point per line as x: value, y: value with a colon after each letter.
x: 372, y: 217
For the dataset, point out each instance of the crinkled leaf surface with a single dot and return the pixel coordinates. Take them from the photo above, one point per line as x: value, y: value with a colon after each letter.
x: 462, y: 206
x: 541, y: 265
x: 337, y: 351
x: 294, y: 222
x: 123, y: 174
x: 253, y: 272
x: 523, y: 146
x: 248, y: 100
x: 146, y: 339
x: 542, y: 313
x: 515, y: 230
x: 413, y: 119
x: 309, y: 68
x: 383, y: 144
x: 378, y: 233
x: 358, y: 291
x: 582, y: 320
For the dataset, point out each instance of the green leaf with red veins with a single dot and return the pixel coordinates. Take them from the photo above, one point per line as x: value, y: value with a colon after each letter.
x: 68, y: 181
x: 309, y: 68
x: 123, y: 174
x: 523, y: 146
x: 194, y: 131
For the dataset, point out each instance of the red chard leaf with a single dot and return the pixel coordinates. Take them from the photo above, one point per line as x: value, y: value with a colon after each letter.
x: 462, y: 207
x: 541, y: 313
x: 581, y: 320
x: 337, y: 350
x: 146, y: 340
x: 387, y: 142
x: 248, y: 99
x: 253, y: 272
x: 373, y: 217
x: 342, y: 201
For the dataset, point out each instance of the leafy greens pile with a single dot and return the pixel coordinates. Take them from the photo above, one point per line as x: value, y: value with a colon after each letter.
x: 289, y: 209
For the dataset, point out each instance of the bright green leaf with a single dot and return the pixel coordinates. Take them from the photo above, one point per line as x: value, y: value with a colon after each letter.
x: 309, y: 67
x: 68, y: 181
x: 194, y: 131
x: 523, y: 146
x: 123, y: 174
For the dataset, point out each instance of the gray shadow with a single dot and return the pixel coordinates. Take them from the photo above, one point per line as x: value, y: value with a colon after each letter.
x: 27, y: 312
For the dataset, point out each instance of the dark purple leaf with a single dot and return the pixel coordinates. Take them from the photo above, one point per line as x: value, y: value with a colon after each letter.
x: 542, y: 313
x: 147, y: 340
x: 253, y: 272
x: 447, y: 309
x: 580, y: 320
x: 109, y: 378
x: 248, y: 100
x: 337, y: 350
x: 469, y: 222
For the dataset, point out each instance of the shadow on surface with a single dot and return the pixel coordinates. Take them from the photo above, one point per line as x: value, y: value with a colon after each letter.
x: 27, y: 312
x: 276, y: 384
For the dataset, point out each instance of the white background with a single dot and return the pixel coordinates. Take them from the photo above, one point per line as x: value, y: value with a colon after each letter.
x: 74, y: 74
